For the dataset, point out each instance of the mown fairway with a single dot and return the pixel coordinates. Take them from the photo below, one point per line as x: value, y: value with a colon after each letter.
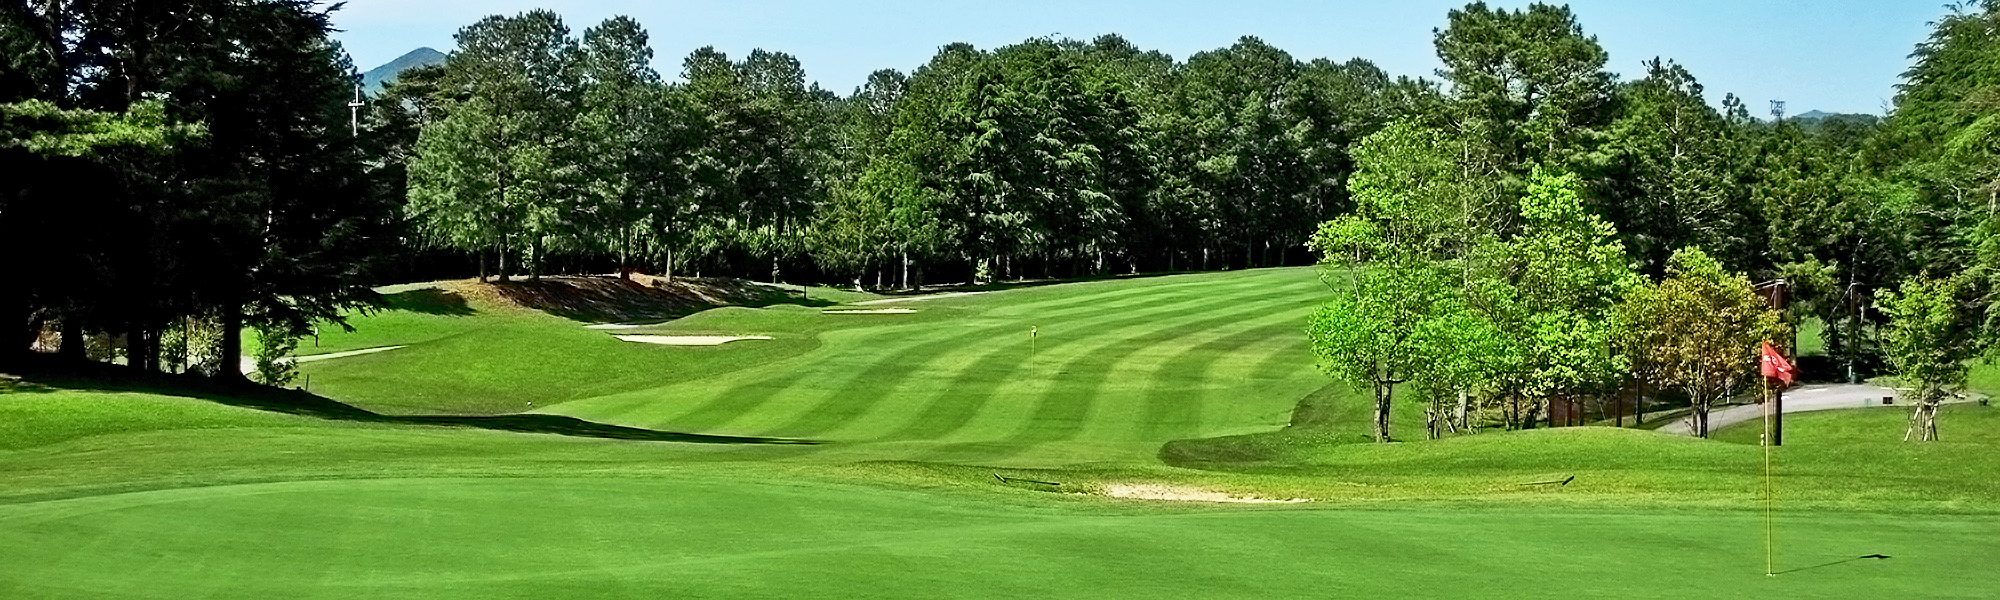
x: 164, y: 493
x: 1115, y: 369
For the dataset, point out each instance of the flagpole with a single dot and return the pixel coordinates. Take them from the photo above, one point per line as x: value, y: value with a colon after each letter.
x: 1770, y: 482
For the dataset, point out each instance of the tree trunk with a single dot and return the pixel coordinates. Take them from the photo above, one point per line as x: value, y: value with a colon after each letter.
x: 625, y: 253
x: 1464, y: 410
x: 501, y: 257
x: 906, y: 271
x: 72, y: 339
x: 232, y: 342
x: 670, y: 265
x: 535, y: 259
x: 19, y: 321
x: 1384, y: 395
x: 1701, y: 418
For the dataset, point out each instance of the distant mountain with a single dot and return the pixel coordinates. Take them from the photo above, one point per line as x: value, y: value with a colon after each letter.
x: 1815, y: 117
x: 374, y: 79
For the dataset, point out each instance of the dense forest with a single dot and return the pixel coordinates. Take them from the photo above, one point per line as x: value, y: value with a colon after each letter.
x: 178, y: 170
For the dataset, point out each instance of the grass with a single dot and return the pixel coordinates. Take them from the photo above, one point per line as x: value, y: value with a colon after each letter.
x: 1117, y: 368
x: 151, y: 488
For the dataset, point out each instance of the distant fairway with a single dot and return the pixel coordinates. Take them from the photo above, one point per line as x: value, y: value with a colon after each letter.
x: 1116, y: 369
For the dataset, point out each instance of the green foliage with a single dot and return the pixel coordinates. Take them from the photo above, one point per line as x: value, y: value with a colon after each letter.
x: 1697, y: 331
x: 1932, y: 333
x: 273, y: 364
x: 42, y: 127
x: 1529, y: 87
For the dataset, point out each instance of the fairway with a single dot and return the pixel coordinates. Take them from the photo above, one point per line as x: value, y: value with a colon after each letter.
x: 1183, y: 381
x: 1113, y: 369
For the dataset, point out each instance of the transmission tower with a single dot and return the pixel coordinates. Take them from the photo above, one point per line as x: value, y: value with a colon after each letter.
x: 1778, y: 110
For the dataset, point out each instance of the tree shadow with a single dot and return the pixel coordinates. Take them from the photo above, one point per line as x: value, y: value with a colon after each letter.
x: 947, y: 288
x: 430, y: 301
x: 615, y: 300
x: 48, y: 373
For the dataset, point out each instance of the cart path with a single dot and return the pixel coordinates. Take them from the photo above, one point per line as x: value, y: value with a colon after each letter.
x: 1804, y: 398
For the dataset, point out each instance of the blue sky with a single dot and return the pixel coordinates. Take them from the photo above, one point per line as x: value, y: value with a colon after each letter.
x: 1836, y: 55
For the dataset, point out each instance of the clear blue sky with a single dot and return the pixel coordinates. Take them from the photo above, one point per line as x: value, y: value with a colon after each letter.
x: 1834, y: 55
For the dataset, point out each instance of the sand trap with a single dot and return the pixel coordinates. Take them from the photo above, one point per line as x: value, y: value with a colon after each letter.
x: 916, y: 298
x: 872, y: 311
x: 689, y: 340
x: 1153, y: 491
x: 250, y: 363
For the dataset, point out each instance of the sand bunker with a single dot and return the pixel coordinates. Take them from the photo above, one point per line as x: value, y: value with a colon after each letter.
x: 1153, y: 491
x: 872, y: 311
x: 916, y: 298
x: 689, y: 340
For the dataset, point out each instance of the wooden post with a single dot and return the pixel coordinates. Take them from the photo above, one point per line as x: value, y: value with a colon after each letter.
x: 1777, y: 428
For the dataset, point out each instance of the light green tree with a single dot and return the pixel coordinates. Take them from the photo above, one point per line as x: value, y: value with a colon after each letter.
x: 1550, y: 290
x: 1697, y: 331
x: 1932, y: 332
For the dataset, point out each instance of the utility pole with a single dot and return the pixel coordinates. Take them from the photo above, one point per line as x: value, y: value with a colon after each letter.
x: 354, y: 112
x: 1777, y: 293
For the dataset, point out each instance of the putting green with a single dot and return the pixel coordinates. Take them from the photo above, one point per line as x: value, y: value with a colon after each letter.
x: 709, y: 536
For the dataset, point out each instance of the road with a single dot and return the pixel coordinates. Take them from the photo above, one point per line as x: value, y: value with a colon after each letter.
x: 1799, y: 399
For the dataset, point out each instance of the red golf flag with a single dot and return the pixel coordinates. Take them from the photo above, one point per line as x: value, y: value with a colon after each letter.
x: 1776, y: 367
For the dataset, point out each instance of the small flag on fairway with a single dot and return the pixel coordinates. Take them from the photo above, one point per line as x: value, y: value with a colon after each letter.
x: 1776, y: 367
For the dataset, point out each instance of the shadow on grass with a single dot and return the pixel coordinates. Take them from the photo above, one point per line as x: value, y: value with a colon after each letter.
x: 947, y: 288
x: 642, y: 299
x: 430, y: 301
x: 47, y: 373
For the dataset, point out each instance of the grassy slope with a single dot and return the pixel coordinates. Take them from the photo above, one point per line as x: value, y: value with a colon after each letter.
x: 1118, y: 368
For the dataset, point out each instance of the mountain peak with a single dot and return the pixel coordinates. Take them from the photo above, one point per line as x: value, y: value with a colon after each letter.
x: 373, y: 80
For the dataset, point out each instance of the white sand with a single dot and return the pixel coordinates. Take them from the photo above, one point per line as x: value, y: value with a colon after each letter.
x: 689, y: 340
x: 916, y: 298
x: 1154, y: 491
x: 875, y: 311
x: 250, y: 364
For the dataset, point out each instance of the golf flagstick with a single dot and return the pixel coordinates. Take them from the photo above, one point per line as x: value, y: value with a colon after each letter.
x: 1770, y: 491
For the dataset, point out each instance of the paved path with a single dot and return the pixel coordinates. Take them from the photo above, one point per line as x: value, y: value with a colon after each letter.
x: 250, y: 363
x: 1799, y: 399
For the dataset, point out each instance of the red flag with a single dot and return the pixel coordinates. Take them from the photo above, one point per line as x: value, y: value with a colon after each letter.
x: 1776, y: 367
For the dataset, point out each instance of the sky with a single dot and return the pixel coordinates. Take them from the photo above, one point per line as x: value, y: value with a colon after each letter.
x: 1829, y: 55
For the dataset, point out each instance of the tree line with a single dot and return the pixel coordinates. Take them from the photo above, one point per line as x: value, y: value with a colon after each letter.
x: 1548, y: 238
x: 177, y: 171
x: 180, y: 168
x: 530, y: 147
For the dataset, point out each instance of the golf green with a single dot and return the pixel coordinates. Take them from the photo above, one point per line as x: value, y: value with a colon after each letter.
x: 715, y: 536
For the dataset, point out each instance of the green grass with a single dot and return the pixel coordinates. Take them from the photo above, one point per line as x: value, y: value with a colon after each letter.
x: 167, y: 491
x: 715, y: 537
x: 1118, y: 368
